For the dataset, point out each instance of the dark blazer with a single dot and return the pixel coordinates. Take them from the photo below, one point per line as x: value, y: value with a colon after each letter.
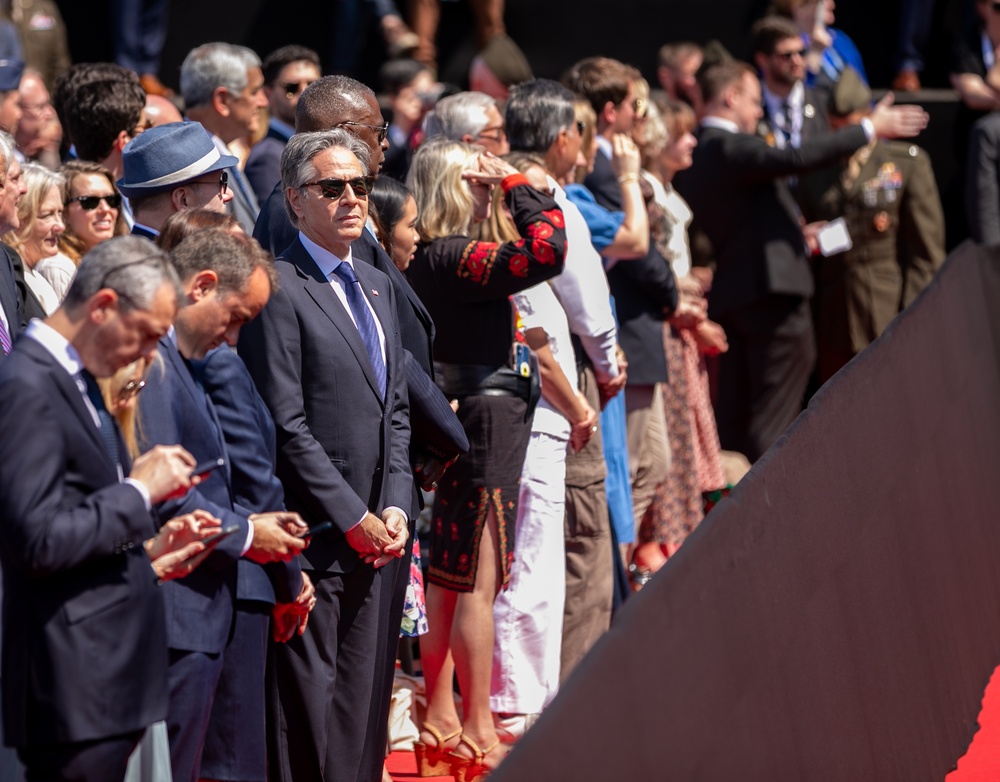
x: 644, y: 289
x: 243, y: 206
x: 174, y: 410
x: 815, y: 121
x: 263, y: 169
x: 9, y: 299
x: 248, y: 431
x: 138, y: 230
x: 30, y: 306
x: 435, y: 427
x: 85, y: 655
x: 736, y: 189
x: 342, y: 449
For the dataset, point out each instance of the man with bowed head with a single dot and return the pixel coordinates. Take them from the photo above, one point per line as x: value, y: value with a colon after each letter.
x: 84, y: 671
x: 326, y: 357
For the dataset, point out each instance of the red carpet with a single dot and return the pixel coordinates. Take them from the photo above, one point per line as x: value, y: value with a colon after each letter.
x: 982, y: 762
x: 403, y: 765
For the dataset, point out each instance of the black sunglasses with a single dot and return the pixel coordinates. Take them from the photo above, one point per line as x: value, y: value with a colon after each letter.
x: 222, y: 183
x: 293, y: 88
x: 91, y: 202
x: 380, y: 131
x: 334, y: 188
x: 789, y: 55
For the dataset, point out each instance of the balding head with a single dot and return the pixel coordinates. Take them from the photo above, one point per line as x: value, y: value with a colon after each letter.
x: 343, y: 102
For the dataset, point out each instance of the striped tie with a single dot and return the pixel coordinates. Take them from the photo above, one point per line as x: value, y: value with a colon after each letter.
x: 5, y: 343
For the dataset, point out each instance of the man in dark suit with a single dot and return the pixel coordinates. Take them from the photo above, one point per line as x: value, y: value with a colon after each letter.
x: 287, y: 71
x: 222, y: 85
x: 170, y: 168
x: 644, y: 289
x: 226, y: 281
x: 437, y: 437
x: 760, y: 294
x: 84, y: 661
x: 326, y: 356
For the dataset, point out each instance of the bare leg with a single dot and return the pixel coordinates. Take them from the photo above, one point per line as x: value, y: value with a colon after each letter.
x: 439, y: 668
x: 424, y: 18
x: 472, y: 646
x: 488, y: 15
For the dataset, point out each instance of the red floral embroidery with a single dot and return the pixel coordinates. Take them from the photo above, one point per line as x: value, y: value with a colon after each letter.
x: 540, y: 230
x: 463, y: 563
x: 556, y: 217
x: 543, y: 252
x: 477, y: 261
x: 519, y: 265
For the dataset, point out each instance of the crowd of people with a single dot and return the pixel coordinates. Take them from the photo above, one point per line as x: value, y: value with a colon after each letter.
x: 284, y: 377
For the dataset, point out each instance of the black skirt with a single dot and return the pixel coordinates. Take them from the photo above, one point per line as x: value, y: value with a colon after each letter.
x: 488, y: 476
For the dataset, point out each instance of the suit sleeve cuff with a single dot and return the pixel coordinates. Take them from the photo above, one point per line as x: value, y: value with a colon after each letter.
x: 143, y: 492
x: 355, y: 524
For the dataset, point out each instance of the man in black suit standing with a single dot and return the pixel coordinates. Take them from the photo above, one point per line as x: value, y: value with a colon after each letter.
x: 760, y: 294
x: 326, y: 357
x: 84, y: 658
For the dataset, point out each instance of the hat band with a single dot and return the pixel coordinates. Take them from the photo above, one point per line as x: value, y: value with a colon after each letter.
x: 184, y: 174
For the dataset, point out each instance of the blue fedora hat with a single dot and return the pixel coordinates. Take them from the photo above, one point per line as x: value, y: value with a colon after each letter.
x: 166, y: 156
x: 11, y: 70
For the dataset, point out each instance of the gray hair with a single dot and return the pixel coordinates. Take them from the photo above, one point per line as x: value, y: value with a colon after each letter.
x: 6, y: 151
x: 132, y: 266
x: 536, y: 111
x: 233, y: 257
x: 215, y: 65
x: 459, y: 115
x: 297, y: 159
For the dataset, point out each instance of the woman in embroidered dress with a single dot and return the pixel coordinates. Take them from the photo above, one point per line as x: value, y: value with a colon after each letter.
x: 466, y: 286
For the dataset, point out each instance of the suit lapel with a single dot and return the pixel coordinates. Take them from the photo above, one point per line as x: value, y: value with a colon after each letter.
x: 320, y: 290
x: 71, y: 393
x: 377, y: 257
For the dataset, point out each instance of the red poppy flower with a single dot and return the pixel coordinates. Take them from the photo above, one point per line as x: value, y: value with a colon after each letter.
x: 543, y: 252
x: 555, y: 216
x: 519, y: 265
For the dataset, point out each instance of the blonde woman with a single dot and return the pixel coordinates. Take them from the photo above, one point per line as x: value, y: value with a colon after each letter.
x: 466, y: 285
x: 40, y: 221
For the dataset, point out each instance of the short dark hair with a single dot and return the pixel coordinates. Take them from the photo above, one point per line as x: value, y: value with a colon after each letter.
x: 600, y: 80
x: 398, y: 74
x: 95, y: 102
x: 536, y: 111
x: 286, y: 55
x: 718, y: 78
x: 326, y: 103
x: 233, y: 258
x: 766, y: 33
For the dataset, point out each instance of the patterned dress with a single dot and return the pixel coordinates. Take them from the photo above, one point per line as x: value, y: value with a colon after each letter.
x: 696, y: 465
x: 466, y: 286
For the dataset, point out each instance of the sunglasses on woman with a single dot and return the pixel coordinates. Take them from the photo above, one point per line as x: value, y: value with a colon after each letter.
x: 91, y: 202
x: 334, y: 188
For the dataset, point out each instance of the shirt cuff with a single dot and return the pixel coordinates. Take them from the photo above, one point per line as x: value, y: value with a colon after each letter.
x: 869, y: 128
x: 401, y: 512
x: 249, y: 541
x: 143, y: 491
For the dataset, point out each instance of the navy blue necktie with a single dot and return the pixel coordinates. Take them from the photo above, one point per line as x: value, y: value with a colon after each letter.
x: 364, y: 320
x: 108, y: 431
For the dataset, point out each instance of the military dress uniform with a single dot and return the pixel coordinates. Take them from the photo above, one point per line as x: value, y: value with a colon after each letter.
x: 887, y: 195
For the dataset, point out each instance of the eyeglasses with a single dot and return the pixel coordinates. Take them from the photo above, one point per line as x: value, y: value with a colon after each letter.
x: 131, y: 389
x: 501, y: 134
x: 293, y: 88
x: 90, y: 202
x: 581, y: 127
x: 380, y: 131
x: 142, y: 127
x: 222, y: 182
x: 334, y: 188
x: 789, y: 56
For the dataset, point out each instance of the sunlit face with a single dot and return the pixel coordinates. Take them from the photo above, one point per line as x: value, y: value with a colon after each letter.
x: 213, y: 317
x: 292, y: 80
x: 14, y: 187
x: 408, y: 105
x: 244, y: 107
x: 404, y: 235
x: 493, y: 136
x: 745, y: 103
x: 36, y: 110
x: 365, y: 125
x: 210, y: 191
x: 482, y: 201
x: 676, y: 155
x: 95, y: 225
x: 43, y: 241
x: 122, y: 337
x: 786, y: 64
x: 127, y: 391
x: 333, y: 223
